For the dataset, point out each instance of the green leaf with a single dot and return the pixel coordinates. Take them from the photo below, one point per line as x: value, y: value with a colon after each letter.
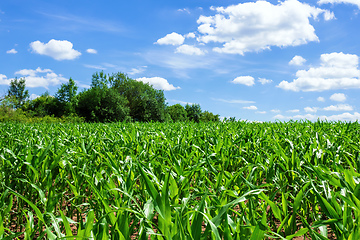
x: 66, y: 224
x: 299, y: 233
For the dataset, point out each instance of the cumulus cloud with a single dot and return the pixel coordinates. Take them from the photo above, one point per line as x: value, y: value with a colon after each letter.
x: 312, y: 117
x: 171, y: 39
x: 320, y: 99
x: 261, y: 112
x: 245, y: 80
x: 158, y: 83
x: 57, y: 49
x: 11, y: 51
x: 189, y: 50
x: 297, y: 61
x: 339, y: 107
x: 275, y: 111
x: 251, y: 107
x: 337, y: 71
x: 91, y: 51
x: 190, y: 35
x: 294, y: 110
x: 264, y: 81
x: 4, y: 80
x: 36, y: 78
x: 338, y: 97
x: 311, y: 109
x: 344, y: 117
x: 355, y: 2
x: 255, y: 26
x: 41, y: 77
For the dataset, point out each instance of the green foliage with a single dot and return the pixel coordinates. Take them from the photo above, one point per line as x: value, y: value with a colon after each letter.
x: 13, y: 115
x: 193, y: 112
x: 145, y: 103
x: 100, y: 80
x: 42, y: 106
x: 102, y: 104
x: 209, y: 117
x: 230, y: 119
x: 177, y: 113
x: 17, y: 92
x: 66, y: 99
x: 215, y: 180
x: 111, y: 98
x: 67, y: 91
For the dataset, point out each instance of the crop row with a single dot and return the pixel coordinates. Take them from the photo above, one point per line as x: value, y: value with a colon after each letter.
x: 237, y: 180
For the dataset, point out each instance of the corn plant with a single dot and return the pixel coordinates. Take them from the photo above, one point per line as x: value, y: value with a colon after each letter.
x: 234, y: 180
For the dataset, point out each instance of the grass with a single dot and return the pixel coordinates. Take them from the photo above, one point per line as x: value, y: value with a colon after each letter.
x: 241, y: 180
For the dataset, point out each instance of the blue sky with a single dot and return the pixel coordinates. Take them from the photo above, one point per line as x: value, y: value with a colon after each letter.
x: 256, y: 61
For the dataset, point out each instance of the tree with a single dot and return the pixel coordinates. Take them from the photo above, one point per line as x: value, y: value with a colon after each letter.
x: 145, y: 103
x: 209, y: 117
x: 45, y: 105
x: 67, y: 91
x: 177, y: 113
x: 65, y: 98
x: 193, y: 112
x: 102, y: 104
x: 17, y: 92
x: 100, y: 80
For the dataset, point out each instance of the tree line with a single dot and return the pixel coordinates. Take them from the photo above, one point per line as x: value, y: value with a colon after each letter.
x: 110, y: 98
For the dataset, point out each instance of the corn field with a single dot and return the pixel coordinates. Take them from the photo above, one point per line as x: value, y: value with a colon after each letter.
x: 234, y: 180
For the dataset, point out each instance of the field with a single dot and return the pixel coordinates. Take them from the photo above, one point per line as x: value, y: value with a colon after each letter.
x: 235, y: 180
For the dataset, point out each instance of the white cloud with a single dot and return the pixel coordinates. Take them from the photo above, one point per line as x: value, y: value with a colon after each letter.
x: 311, y: 109
x: 355, y: 2
x: 41, y: 77
x: 158, y: 83
x: 4, y: 80
x: 189, y: 50
x: 345, y: 117
x: 264, y: 81
x: 297, y: 61
x: 261, y: 112
x: 255, y: 26
x: 233, y: 101
x: 321, y: 99
x: 294, y: 110
x: 137, y: 70
x: 339, y: 107
x: 337, y: 71
x: 34, y: 96
x: 91, y: 51
x: 12, y: 51
x: 57, y: 49
x: 279, y: 116
x: 251, y: 108
x: 190, y: 35
x: 245, y: 80
x: 184, y: 10
x: 338, y: 97
x: 341, y: 117
x: 275, y: 111
x: 171, y: 39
